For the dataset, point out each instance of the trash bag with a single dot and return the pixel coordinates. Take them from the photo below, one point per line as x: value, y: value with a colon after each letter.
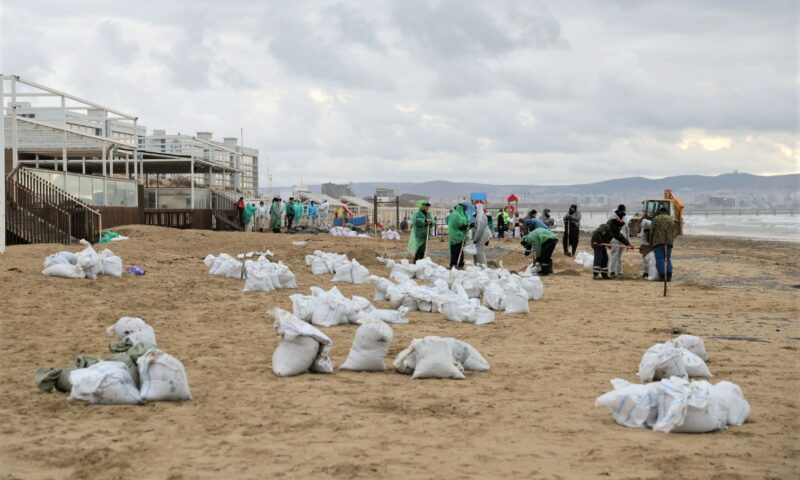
x: 370, y: 346
x: 163, y: 377
x: 111, y: 264
x: 104, y: 383
x: 89, y: 260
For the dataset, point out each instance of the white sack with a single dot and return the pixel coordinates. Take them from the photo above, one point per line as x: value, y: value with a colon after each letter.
x: 163, y: 377
x: 685, y: 407
x: 534, y: 287
x: 370, y: 346
x: 494, y: 297
x: 293, y: 351
x: 64, y: 270
x: 662, y: 360
x: 692, y: 343
x: 516, y: 299
x: 732, y: 397
x: 124, y: 326
x: 303, y: 306
x: 695, y: 366
x: 631, y: 404
x: 107, y: 383
x: 63, y: 257
x: 435, y: 360
x: 467, y: 355
x: 111, y: 264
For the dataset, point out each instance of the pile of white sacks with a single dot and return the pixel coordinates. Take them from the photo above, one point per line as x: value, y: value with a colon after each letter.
x: 469, y: 295
x: 303, y: 348
x: 259, y: 275
x: 331, y: 308
x: 346, y: 232
x: 345, y: 270
x: 585, y: 259
x: 87, y: 263
x: 676, y: 404
x: 161, y: 376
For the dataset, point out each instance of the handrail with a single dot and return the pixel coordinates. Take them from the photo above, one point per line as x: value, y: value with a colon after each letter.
x: 71, y: 197
x: 42, y: 199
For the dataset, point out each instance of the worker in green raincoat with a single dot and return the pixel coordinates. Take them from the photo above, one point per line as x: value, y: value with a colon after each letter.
x: 299, y: 211
x: 457, y: 227
x: 542, y: 241
x: 421, y: 222
x: 248, y: 216
x: 275, y: 215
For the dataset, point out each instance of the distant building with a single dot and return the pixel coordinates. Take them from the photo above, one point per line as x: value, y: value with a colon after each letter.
x: 336, y: 190
x: 384, y: 194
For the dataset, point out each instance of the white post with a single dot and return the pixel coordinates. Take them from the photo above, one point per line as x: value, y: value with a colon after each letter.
x: 14, y: 143
x: 83, y: 165
x: 192, y: 175
x: 127, y: 161
x: 36, y: 164
x: 2, y: 166
x: 64, y: 145
x: 135, y: 144
x: 105, y: 178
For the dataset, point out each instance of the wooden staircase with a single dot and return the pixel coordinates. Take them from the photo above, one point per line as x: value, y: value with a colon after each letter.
x: 224, y: 215
x: 39, y: 212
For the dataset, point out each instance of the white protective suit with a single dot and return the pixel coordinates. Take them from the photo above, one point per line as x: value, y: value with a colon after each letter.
x: 323, y: 209
x: 615, y: 260
x: 644, y: 238
x: 482, y: 234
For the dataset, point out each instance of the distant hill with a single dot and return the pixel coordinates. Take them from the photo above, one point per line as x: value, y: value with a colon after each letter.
x: 726, y: 182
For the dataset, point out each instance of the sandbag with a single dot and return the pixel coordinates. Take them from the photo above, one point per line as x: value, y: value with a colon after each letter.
x: 435, y: 360
x: 104, y: 383
x: 388, y: 316
x: 64, y: 270
x: 299, y: 343
x: 632, y: 404
x: 111, y: 264
x: 695, y: 366
x: 692, y: 343
x: 494, y: 297
x: 469, y: 357
x: 124, y: 326
x: 303, y: 306
x: 516, y: 299
x: 319, y: 267
x: 258, y: 278
x: 286, y: 276
x: 46, y: 379
x: 685, y: 407
x: 533, y: 286
x: 661, y: 361
x: 162, y: 377
x: 733, y: 399
x: 370, y: 346
x: 88, y: 260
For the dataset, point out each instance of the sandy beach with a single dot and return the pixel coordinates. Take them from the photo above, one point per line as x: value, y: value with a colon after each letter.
x: 531, y: 416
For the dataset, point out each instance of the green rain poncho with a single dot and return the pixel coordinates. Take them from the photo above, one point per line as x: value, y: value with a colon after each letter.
x: 275, y: 215
x: 455, y: 225
x: 249, y: 211
x: 419, y: 228
x: 298, y: 211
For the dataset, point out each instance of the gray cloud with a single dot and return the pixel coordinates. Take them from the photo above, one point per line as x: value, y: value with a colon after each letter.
x: 500, y: 91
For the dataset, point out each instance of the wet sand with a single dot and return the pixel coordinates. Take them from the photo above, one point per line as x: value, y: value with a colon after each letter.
x: 530, y: 416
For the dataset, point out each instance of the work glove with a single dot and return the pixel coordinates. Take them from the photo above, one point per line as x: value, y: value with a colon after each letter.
x: 463, y: 228
x: 527, y: 252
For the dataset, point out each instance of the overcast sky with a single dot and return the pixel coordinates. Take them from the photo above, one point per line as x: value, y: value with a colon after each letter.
x: 492, y: 91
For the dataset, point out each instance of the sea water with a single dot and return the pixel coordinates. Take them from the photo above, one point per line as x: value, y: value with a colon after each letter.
x: 783, y: 227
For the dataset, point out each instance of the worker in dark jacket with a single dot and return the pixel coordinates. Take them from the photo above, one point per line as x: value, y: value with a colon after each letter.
x: 600, y: 242
x: 501, y: 224
x: 572, y: 230
x: 662, y: 236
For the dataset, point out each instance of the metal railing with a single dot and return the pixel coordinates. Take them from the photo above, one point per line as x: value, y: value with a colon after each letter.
x: 39, y: 212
